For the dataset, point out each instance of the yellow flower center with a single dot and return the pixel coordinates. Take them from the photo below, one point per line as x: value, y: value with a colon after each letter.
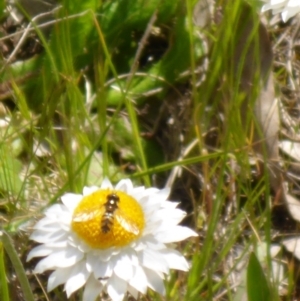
x: 108, y: 218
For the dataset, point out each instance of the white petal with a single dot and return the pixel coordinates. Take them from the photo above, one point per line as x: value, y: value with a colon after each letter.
x: 175, y: 234
x: 116, y: 288
x: 293, y: 246
x: 108, y: 253
x: 77, y: 278
x: 55, y: 210
x: 152, y: 243
x: 293, y: 3
x: 92, y: 289
x: 287, y: 8
x: 61, y: 259
x: 59, y: 276
x: 168, y: 216
x: 49, y: 225
x: 125, y: 185
x: 77, y: 243
x: 89, y: 190
x: 151, y: 228
x: 151, y: 191
x: 175, y: 260
x: 139, y: 280
x: 133, y: 292
x: 48, y: 237
x: 39, y: 251
x: 106, y: 184
x: 266, y: 7
x: 148, y: 202
x: 159, y: 197
x: 153, y: 260
x: 138, y: 192
x: 288, y: 13
x: 71, y: 200
x: 155, y: 281
x: 123, y: 268
x: 44, y: 223
x: 103, y: 255
x: 164, y: 193
x: 169, y: 205
x: 150, y: 206
x: 102, y: 269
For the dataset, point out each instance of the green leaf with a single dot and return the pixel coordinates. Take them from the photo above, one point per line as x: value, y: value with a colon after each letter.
x: 17, y: 264
x: 10, y: 169
x: 257, y: 285
x: 2, y: 9
x: 3, y: 280
x: 135, y: 14
x: 175, y: 61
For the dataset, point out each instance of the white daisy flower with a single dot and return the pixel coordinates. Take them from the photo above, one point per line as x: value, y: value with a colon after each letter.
x: 111, y: 239
x: 287, y: 8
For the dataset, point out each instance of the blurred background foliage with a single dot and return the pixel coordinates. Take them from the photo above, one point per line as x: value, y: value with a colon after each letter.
x: 93, y: 46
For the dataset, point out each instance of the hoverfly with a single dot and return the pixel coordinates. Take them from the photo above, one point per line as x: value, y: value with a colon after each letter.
x: 108, y: 212
x: 111, y: 206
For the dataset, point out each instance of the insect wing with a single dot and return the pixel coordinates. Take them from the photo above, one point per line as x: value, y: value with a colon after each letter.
x: 126, y: 223
x: 87, y: 215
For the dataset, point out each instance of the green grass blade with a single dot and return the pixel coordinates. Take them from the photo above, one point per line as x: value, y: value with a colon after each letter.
x: 17, y: 264
x: 257, y: 285
x: 4, y: 294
